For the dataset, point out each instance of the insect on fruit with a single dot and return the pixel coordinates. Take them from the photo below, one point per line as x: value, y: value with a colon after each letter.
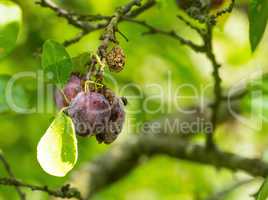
x: 125, y: 101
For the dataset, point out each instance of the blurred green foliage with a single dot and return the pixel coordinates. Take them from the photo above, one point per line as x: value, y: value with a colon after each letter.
x: 150, y: 60
x: 10, y: 22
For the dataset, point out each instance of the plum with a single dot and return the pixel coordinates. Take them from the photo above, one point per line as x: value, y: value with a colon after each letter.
x: 71, y: 89
x: 116, y: 120
x: 116, y: 59
x: 117, y: 115
x: 90, y: 112
x: 217, y: 3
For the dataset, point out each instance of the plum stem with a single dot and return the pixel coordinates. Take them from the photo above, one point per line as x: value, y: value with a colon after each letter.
x: 96, y: 85
x: 64, y: 96
x: 101, y: 63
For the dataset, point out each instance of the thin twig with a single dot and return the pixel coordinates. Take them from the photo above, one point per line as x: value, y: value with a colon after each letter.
x: 223, y: 193
x: 109, y: 33
x: 172, y: 34
x: 110, y: 30
x: 82, y: 21
x: 70, y: 17
x: 11, y: 175
x: 90, y: 18
x: 208, y: 39
x: 64, y: 192
x: 198, y: 30
x: 135, y: 12
x: 75, y: 39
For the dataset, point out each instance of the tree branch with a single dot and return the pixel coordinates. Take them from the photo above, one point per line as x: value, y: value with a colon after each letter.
x: 170, y: 138
x: 83, y: 21
x: 64, y: 192
x: 75, y: 39
x: 223, y: 193
x: 70, y: 17
x: 134, y: 13
x: 11, y: 175
x: 189, y: 24
x: 172, y: 34
x: 124, y: 157
x: 208, y: 40
x: 111, y: 28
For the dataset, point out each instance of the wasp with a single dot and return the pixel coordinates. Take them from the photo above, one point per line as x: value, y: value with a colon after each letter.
x: 124, y: 100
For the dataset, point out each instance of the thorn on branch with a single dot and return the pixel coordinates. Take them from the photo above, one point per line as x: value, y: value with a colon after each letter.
x: 123, y: 35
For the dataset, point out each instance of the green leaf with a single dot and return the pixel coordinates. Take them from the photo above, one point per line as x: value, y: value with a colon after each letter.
x: 258, y: 17
x: 80, y: 63
x: 263, y: 192
x: 19, y: 97
x: 162, y: 4
x: 10, y: 20
x: 57, y: 149
x: 57, y: 61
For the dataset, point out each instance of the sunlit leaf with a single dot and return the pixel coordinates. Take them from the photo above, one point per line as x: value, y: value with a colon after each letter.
x: 80, y: 62
x: 10, y: 20
x: 161, y: 4
x: 258, y: 17
x: 263, y: 192
x: 57, y: 149
x: 57, y: 61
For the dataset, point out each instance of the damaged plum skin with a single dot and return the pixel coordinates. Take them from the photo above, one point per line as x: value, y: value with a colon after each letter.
x: 90, y: 112
x: 217, y: 3
x: 71, y: 89
x: 115, y: 124
x: 117, y: 116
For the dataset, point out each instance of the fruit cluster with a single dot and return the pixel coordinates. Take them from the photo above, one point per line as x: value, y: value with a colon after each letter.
x: 94, y: 111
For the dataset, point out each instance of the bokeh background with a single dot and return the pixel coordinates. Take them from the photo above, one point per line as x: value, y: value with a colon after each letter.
x: 150, y: 60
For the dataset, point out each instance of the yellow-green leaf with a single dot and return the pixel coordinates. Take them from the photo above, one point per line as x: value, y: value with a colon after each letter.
x: 57, y: 149
x: 263, y: 192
